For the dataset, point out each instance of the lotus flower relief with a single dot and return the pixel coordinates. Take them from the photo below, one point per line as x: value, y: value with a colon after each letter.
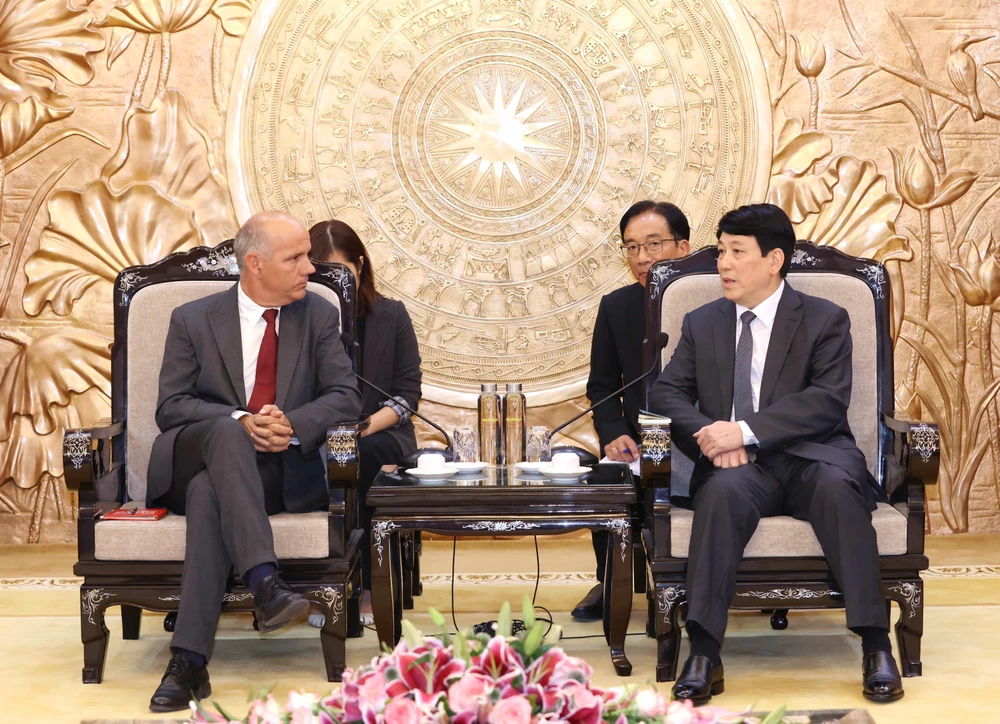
x: 979, y: 279
x: 95, y: 233
x: 810, y: 55
x: 40, y: 42
x: 916, y: 184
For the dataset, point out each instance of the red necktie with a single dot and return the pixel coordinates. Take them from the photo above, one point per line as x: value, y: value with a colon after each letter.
x: 267, y: 365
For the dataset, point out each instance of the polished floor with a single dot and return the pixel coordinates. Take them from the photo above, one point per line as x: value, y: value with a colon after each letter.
x: 814, y: 664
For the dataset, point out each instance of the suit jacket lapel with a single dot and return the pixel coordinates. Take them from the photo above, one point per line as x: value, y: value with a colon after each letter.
x: 786, y: 322
x: 290, y: 336
x: 375, y: 344
x: 725, y: 354
x: 225, y: 321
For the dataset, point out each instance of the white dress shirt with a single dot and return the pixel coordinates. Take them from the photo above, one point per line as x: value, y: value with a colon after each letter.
x: 760, y: 328
x: 252, y: 328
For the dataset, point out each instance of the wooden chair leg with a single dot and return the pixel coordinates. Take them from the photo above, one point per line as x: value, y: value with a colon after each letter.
x: 131, y: 622
x: 408, y: 555
x: 650, y: 615
x: 910, y: 626
x: 93, y: 632
x: 779, y: 619
x: 333, y: 636
x: 418, y: 545
x: 668, y: 599
x: 639, y: 567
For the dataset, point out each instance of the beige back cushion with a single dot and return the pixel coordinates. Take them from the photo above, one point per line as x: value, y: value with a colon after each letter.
x: 854, y: 295
x: 148, y: 320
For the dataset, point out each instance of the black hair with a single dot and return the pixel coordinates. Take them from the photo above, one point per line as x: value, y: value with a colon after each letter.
x: 766, y: 223
x: 674, y: 217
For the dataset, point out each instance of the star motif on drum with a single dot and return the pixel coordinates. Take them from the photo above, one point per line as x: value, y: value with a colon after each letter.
x: 499, y: 137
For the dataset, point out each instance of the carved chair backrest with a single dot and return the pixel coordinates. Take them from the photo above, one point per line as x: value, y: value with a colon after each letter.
x: 858, y: 285
x: 145, y: 297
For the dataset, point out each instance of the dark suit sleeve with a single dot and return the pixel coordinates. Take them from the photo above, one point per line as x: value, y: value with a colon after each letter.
x: 178, y: 402
x: 675, y: 393
x: 338, y: 399
x: 605, y: 378
x: 406, y: 374
x: 821, y: 407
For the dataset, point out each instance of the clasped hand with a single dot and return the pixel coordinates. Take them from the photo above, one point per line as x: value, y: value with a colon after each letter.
x: 722, y: 443
x: 269, y: 429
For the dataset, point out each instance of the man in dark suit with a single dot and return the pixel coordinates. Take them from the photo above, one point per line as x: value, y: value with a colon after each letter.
x: 651, y: 231
x: 251, y: 379
x: 757, y: 390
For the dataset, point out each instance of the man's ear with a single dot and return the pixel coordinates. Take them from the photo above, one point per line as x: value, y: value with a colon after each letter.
x: 684, y: 247
x: 777, y: 258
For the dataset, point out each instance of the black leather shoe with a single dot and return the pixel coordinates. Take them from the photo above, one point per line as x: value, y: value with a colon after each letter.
x: 180, y: 684
x: 882, y: 681
x: 700, y: 680
x: 276, y: 605
x: 591, y: 608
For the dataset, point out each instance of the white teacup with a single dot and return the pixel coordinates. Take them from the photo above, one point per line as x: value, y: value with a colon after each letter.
x: 430, y: 463
x: 565, y: 461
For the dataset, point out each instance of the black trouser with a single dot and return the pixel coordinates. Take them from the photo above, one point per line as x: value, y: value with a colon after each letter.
x: 600, y: 540
x: 728, y: 504
x: 376, y: 450
x: 226, y: 489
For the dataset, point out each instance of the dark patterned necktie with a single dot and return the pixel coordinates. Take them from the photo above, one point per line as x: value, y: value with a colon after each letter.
x: 265, y: 386
x: 742, y: 389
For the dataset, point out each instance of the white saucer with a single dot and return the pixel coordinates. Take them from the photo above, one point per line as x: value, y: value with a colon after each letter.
x: 436, y: 476
x: 531, y: 467
x: 469, y: 467
x: 569, y: 474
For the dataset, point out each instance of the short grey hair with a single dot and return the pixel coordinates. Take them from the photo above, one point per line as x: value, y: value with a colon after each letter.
x: 251, y: 238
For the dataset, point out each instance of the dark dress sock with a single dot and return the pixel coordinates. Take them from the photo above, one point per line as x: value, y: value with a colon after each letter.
x: 256, y: 575
x: 194, y: 658
x: 703, y: 643
x: 873, y: 639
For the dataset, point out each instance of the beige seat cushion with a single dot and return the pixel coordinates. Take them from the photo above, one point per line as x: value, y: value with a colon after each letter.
x: 148, y: 320
x: 786, y: 537
x: 296, y: 535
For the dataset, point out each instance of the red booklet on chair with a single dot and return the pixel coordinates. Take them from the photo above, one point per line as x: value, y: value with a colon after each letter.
x: 135, y: 514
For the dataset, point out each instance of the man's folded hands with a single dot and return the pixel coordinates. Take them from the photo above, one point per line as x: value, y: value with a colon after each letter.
x: 269, y: 429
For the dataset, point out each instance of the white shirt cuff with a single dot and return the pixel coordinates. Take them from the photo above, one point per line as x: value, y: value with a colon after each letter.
x: 240, y: 413
x: 748, y: 437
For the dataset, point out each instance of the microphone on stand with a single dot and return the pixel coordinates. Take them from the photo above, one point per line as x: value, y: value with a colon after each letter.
x: 348, y: 341
x: 661, y: 340
x: 406, y: 407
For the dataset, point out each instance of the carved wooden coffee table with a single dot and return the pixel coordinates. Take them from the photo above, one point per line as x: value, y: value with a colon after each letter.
x: 501, y: 501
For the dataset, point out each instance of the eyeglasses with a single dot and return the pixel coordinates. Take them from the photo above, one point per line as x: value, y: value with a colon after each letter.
x: 652, y: 247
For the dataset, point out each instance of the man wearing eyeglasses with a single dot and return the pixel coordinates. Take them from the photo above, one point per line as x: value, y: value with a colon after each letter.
x: 651, y: 231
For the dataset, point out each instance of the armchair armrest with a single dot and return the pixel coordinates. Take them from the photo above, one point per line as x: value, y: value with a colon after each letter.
x: 343, y: 461
x: 654, y: 466
x: 87, y: 454
x: 917, y: 449
x: 917, y: 456
x: 88, y: 461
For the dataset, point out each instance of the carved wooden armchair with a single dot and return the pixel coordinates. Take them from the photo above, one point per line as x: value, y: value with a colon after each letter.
x: 783, y: 565
x: 137, y: 565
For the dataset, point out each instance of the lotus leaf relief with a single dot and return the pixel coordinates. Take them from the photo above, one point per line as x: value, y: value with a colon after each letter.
x: 234, y: 15
x: 40, y: 41
x: 95, y: 233
x: 163, y: 146
x: 56, y: 381
x: 158, y: 16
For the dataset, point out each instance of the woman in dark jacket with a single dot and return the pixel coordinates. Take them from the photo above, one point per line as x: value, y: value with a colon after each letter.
x: 389, y: 358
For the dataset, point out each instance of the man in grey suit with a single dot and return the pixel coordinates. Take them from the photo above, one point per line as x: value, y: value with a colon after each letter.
x: 251, y: 379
